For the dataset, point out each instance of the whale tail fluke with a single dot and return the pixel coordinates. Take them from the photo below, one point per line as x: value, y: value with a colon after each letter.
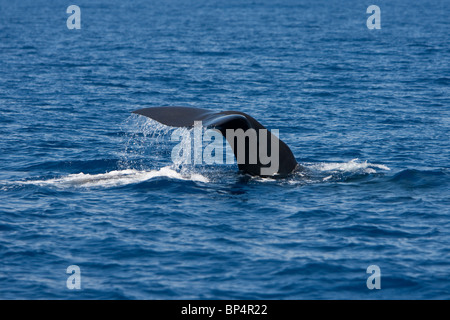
x: 229, y: 123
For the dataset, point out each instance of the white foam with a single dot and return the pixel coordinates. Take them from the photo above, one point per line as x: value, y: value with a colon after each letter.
x: 115, y: 178
x: 351, y: 166
x: 334, y: 171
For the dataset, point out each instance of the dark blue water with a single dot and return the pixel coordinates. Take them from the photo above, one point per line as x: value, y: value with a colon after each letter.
x: 82, y: 182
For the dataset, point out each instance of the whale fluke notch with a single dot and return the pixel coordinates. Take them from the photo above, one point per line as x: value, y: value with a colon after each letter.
x: 186, y: 116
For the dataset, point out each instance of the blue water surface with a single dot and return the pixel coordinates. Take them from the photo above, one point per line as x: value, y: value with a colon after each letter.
x: 83, y: 182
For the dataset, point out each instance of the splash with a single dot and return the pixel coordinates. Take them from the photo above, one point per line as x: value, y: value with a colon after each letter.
x: 146, y: 145
x: 338, y: 171
x: 144, y: 141
x: 328, y: 171
x: 114, y: 178
x: 351, y: 166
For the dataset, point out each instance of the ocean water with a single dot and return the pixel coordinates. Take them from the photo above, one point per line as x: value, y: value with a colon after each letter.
x: 83, y: 182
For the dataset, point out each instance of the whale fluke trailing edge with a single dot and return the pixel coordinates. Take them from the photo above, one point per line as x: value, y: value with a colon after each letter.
x: 186, y: 116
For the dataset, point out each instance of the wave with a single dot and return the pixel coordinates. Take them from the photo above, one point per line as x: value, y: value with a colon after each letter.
x: 336, y: 171
x: 351, y: 166
x: 414, y: 178
x: 114, y: 178
x: 312, y: 173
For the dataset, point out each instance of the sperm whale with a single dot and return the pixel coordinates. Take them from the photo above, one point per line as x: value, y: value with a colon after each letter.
x: 240, y: 124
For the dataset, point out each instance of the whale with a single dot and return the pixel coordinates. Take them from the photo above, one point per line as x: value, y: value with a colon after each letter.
x: 233, y: 121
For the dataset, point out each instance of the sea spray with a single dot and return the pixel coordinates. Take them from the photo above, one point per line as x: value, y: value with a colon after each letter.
x: 145, y: 143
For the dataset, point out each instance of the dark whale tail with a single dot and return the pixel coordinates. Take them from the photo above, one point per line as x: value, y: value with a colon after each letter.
x: 234, y: 120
